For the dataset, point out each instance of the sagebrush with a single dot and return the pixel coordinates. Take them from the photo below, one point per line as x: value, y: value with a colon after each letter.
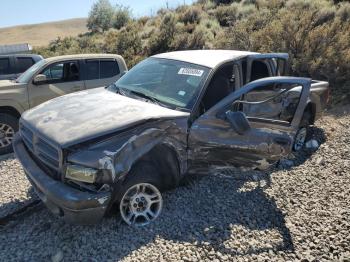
x: 316, y: 34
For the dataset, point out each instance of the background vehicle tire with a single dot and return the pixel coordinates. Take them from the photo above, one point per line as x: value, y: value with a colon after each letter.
x: 140, y: 200
x: 300, y: 137
x: 8, y: 128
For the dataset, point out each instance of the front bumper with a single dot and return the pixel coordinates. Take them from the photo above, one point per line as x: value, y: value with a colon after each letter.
x: 72, y: 205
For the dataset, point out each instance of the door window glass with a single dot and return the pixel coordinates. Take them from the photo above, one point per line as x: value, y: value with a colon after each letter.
x: 108, y: 69
x: 24, y: 63
x: 62, y: 72
x: 271, y: 102
x: 92, y: 69
x: 54, y: 72
x: 4, y: 66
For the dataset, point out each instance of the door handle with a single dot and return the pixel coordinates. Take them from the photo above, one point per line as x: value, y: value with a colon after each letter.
x: 77, y: 88
x: 281, y: 141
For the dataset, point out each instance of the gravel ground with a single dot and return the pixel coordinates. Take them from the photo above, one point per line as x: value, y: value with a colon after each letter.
x: 298, y: 211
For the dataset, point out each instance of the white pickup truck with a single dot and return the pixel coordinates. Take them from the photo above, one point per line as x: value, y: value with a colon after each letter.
x: 170, y: 115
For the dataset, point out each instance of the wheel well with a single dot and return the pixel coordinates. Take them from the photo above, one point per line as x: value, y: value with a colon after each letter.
x: 10, y: 110
x: 165, y: 159
x: 311, y: 108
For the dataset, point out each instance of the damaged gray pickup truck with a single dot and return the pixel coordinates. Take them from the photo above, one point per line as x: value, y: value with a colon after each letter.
x: 175, y: 113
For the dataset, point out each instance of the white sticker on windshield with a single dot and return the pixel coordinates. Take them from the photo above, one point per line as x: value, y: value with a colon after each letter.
x: 190, y: 72
x: 181, y: 93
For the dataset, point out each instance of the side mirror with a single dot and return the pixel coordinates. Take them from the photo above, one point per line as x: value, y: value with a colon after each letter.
x: 238, y: 121
x: 123, y: 73
x: 38, y: 79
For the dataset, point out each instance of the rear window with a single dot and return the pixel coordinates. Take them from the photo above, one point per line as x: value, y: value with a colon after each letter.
x: 4, y: 66
x: 108, y: 69
x: 24, y: 63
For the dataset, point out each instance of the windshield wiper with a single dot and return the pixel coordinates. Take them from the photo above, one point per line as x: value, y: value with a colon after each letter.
x: 156, y: 101
x: 147, y: 97
x: 122, y: 91
x: 117, y: 89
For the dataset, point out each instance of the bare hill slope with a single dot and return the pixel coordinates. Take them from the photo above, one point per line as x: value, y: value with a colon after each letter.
x: 42, y: 34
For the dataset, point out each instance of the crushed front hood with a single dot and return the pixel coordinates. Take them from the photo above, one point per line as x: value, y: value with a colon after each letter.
x: 85, y: 115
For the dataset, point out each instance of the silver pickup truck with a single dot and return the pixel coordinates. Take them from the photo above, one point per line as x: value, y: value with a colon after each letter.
x: 50, y: 78
x: 172, y: 114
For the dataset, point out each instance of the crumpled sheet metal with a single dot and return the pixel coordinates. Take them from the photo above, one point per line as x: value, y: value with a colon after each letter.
x: 120, y: 162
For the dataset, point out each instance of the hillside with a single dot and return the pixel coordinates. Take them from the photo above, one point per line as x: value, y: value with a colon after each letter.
x: 42, y: 34
x: 315, y: 34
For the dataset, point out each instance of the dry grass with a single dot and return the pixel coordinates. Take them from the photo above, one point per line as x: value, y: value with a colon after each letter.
x: 42, y: 34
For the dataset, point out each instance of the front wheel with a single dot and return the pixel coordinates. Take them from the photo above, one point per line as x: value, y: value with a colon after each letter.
x: 141, y: 204
x: 8, y: 128
x: 141, y: 201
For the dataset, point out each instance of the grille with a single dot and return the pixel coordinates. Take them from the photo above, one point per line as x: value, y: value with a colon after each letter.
x: 42, y: 150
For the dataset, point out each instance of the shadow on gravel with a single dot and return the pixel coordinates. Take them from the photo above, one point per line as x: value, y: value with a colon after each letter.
x: 31, y: 195
x: 298, y: 158
x: 241, y: 203
x: 16, y: 209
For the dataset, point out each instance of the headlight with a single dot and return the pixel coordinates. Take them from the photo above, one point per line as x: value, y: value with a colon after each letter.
x: 80, y: 173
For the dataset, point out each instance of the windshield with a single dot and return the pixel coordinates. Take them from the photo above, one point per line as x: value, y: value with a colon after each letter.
x: 26, y: 76
x: 173, y: 83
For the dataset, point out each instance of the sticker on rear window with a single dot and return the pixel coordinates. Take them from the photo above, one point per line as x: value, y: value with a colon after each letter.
x: 190, y: 71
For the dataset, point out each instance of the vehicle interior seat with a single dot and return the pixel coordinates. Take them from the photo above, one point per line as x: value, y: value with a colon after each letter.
x: 73, y: 72
x: 259, y: 70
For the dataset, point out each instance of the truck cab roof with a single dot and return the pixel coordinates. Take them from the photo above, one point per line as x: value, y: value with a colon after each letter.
x: 207, y: 58
x: 82, y: 56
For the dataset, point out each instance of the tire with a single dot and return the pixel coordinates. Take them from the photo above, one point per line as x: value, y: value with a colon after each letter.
x: 8, y: 128
x: 301, y: 135
x: 140, y: 201
x: 306, y: 120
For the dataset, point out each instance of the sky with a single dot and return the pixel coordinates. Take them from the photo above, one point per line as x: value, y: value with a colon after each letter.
x: 21, y: 12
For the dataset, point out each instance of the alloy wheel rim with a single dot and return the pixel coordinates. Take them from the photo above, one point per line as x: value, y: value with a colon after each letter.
x: 6, y: 135
x: 141, y: 204
x: 300, y: 139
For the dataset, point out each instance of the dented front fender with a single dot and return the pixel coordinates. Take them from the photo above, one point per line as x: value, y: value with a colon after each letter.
x: 116, y: 155
x: 120, y: 162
